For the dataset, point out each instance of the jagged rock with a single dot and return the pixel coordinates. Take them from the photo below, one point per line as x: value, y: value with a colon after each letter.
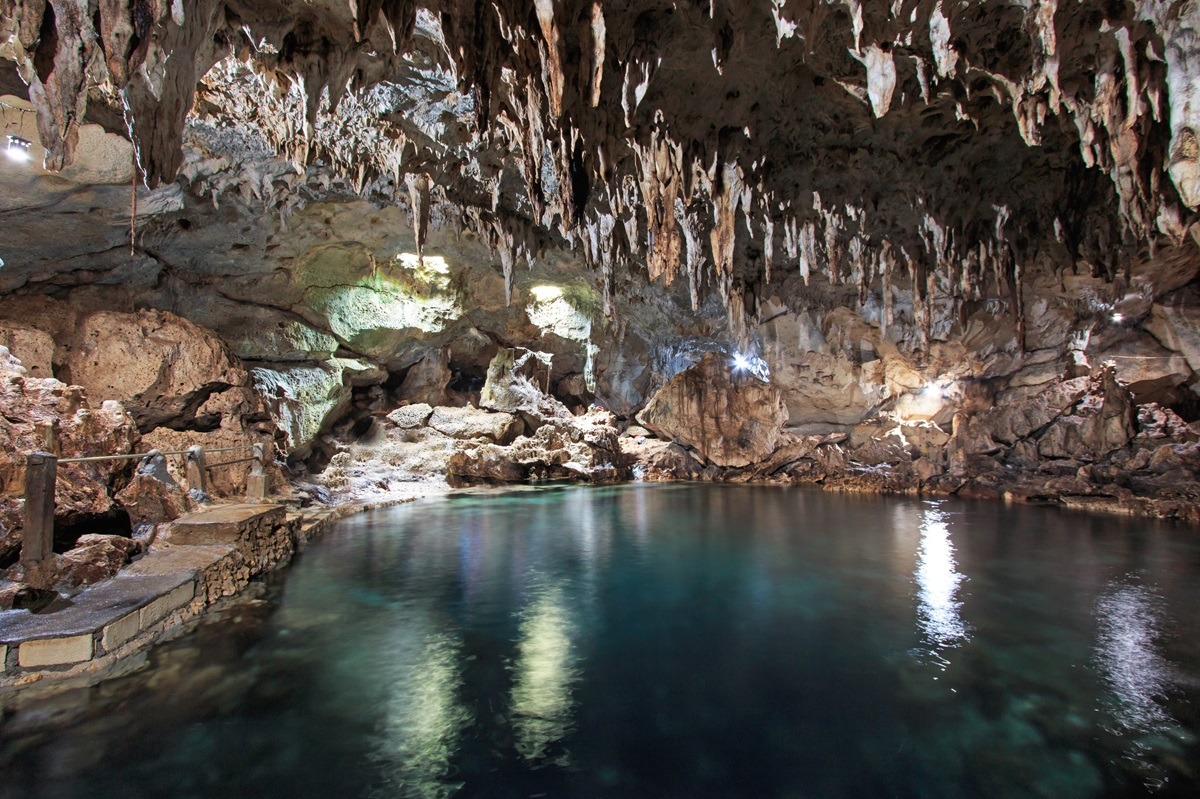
x: 489, y: 466
x: 427, y: 379
x: 468, y: 423
x: 994, y: 429
x: 1105, y: 420
x: 150, y: 501
x: 731, y: 420
x: 95, y: 558
x: 578, y: 448
x: 1157, y: 422
x: 517, y: 380
x: 29, y: 408
x: 303, y: 399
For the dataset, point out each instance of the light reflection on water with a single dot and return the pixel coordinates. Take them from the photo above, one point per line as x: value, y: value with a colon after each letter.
x: 938, y: 580
x: 543, y: 672
x: 668, y: 641
x: 1130, y: 620
x: 422, y: 718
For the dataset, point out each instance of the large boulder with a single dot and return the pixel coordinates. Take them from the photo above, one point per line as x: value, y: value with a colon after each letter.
x: 160, y: 366
x: 150, y: 500
x: 731, y: 419
x: 468, y: 423
x: 94, y: 558
x: 408, y: 417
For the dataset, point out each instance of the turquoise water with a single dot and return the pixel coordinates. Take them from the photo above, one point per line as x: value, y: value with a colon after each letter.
x: 665, y: 641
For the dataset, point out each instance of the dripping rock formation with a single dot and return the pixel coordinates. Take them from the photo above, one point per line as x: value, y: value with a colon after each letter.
x: 942, y: 247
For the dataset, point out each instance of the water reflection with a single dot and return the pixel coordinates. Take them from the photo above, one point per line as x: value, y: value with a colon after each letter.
x: 543, y: 673
x: 423, y: 719
x: 1129, y: 617
x: 938, y: 580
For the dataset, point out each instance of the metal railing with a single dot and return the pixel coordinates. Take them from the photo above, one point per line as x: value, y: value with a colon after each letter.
x: 41, y: 473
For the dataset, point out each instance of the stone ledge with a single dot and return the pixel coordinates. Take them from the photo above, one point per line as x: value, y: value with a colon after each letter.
x: 99, y: 620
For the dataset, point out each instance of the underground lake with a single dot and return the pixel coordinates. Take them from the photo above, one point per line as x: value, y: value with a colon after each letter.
x: 664, y: 641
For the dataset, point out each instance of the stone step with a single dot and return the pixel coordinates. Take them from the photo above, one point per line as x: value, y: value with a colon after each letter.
x: 224, y: 524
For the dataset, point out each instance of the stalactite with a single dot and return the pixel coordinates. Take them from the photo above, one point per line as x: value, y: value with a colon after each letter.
x: 727, y: 198
x: 660, y: 165
x: 418, y: 196
x: 57, y: 75
x: 692, y: 224
x: 535, y: 74
x: 887, y: 266
x: 768, y: 245
x: 596, y: 54
x: 552, y: 73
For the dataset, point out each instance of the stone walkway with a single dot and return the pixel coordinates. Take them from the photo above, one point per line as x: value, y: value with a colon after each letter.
x: 206, y: 555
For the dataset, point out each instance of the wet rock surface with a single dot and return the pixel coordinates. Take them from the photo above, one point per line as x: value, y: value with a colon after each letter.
x: 1083, y: 443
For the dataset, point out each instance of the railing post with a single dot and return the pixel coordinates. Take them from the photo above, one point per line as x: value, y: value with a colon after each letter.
x: 256, y: 482
x: 37, y: 536
x: 196, y: 476
x: 47, y: 435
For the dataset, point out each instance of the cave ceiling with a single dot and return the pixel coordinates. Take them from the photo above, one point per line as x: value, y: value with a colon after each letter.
x: 742, y: 149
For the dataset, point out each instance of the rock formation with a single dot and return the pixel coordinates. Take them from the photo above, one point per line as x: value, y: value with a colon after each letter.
x: 949, y: 246
x: 731, y: 417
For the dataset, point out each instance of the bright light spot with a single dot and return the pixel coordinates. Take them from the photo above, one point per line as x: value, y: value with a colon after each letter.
x: 18, y: 148
x: 1118, y: 318
x: 1129, y: 620
x: 546, y: 293
x: 933, y: 392
x: 938, y: 580
x: 433, y: 263
x: 740, y: 362
x: 544, y: 672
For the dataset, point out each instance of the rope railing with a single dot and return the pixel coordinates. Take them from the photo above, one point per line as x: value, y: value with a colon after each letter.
x: 41, y: 474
